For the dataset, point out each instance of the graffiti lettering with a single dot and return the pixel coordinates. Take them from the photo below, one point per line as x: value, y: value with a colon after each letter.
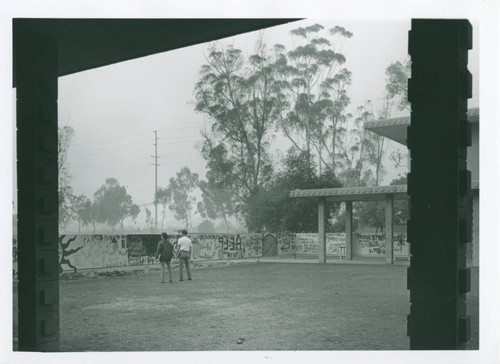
x: 400, y: 241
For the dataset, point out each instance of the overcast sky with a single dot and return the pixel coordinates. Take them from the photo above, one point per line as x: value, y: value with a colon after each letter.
x: 115, y: 109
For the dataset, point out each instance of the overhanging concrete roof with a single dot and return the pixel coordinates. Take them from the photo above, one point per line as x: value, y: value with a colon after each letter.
x: 354, y: 193
x: 395, y: 128
x: 374, y: 193
x: 84, y: 44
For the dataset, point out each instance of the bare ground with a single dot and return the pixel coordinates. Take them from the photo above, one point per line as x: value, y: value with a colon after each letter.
x: 259, y: 306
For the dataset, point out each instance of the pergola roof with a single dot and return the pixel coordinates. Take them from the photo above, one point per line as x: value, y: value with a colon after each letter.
x: 354, y: 193
x: 84, y: 44
x: 395, y: 128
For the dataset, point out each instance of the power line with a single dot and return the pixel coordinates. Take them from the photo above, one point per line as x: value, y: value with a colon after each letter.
x: 109, y: 139
x: 110, y: 150
x: 132, y: 135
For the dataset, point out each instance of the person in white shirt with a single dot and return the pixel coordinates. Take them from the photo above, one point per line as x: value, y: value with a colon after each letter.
x: 184, y: 247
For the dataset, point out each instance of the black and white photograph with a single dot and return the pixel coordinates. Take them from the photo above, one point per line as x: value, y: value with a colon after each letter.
x: 252, y: 182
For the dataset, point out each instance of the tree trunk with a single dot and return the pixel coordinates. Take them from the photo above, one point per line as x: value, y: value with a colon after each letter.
x: 225, y: 222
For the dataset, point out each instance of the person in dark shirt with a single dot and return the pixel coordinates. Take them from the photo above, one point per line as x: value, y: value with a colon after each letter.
x: 164, y: 252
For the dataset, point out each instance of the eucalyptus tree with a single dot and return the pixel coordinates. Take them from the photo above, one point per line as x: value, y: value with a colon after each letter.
x: 180, y: 195
x: 65, y: 191
x: 114, y: 204
x: 241, y: 98
x: 397, y: 75
x: 315, y: 84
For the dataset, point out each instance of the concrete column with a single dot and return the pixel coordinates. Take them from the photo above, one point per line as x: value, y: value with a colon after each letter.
x: 439, y: 184
x: 389, y: 248
x: 37, y: 171
x: 348, y: 230
x: 321, y: 230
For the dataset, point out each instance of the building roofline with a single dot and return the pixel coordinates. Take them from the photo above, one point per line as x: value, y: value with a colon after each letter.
x: 472, y: 116
x: 372, y: 193
x: 354, y: 193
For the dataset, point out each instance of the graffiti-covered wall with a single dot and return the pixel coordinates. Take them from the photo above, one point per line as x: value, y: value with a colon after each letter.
x: 374, y: 245
x: 368, y: 245
x: 91, y: 251
x: 104, y: 251
x: 223, y: 246
x: 307, y: 243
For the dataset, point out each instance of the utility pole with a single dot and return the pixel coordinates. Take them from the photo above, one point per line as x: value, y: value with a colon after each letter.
x: 156, y: 178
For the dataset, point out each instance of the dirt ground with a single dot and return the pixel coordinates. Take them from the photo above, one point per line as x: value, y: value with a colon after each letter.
x: 258, y: 306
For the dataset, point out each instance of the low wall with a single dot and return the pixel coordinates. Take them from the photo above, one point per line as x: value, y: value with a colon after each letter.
x: 226, y: 246
x: 363, y: 245
x: 105, y: 251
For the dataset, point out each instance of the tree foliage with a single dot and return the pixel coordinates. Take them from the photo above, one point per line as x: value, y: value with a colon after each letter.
x: 315, y: 85
x: 397, y: 75
x: 150, y: 222
x: 164, y: 197
x: 218, y: 196
x: 360, y: 152
x: 179, y: 195
x: 400, y: 209
x: 241, y: 98
x: 206, y: 226
x: 273, y: 208
x: 372, y: 213
x: 81, y: 213
x: 114, y: 204
x: 65, y: 137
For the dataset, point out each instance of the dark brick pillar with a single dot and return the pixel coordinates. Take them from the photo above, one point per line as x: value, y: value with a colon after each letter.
x: 36, y: 67
x: 439, y: 184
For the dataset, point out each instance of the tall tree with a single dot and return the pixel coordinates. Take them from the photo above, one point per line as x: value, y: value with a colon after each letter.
x: 206, y: 226
x: 397, y: 75
x: 216, y: 202
x: 114, y: 204
x: 181, y: 190
x: 354, y: 146
x: 65, y: 137
x: 150, y: 221
x: 315, y: 83
x: 86, y: 211
x: 78, y: 206
x: 218, y: 196
x: 372, y: 213
x: 400, y: 206
x: 242, y: 99
x: 274, y: 209
x: 164, y: 197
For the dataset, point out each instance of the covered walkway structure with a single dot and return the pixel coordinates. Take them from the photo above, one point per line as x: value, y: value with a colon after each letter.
x: 349, y: 195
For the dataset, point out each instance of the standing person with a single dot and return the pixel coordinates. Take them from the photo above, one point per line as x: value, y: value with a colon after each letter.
x: 184, y: 245
x: 164, y: 252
